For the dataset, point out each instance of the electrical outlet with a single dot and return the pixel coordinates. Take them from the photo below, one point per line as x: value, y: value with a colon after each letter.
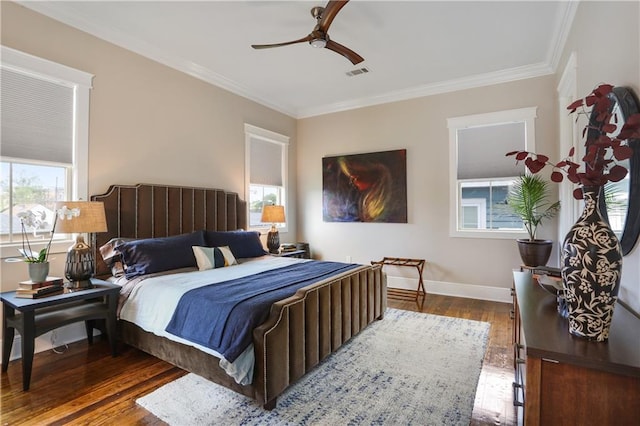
x: 348, y: 259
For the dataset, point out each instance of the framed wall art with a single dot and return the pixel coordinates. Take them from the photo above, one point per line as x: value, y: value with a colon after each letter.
x: 369, y: 187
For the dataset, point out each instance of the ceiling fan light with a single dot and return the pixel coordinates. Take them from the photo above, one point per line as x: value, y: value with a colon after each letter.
x: 318, y: 43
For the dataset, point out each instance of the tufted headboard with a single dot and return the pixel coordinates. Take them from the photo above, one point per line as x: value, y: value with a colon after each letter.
x: 149, y: 211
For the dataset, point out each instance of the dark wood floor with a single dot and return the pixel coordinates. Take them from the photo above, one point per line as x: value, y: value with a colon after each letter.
x: 85, y: 385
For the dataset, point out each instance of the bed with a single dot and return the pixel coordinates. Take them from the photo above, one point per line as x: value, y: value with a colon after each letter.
x: 299, y: 331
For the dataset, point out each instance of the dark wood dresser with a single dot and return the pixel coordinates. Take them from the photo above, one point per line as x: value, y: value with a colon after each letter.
x: 562, y: 379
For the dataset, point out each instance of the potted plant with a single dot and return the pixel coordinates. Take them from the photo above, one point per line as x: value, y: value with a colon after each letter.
x: 528, y: 198
x: 38, y: 262
x: 591, y: 253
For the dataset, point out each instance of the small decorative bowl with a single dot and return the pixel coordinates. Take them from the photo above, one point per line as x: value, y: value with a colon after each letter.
x: 554, y: 287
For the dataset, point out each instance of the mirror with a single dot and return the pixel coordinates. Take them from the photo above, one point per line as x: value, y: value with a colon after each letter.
x: 620, y: 201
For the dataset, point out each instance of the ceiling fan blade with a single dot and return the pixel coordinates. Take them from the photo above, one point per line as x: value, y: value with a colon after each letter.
x: 330, y: 11
x: 344, y: 51
x: 267, y: 46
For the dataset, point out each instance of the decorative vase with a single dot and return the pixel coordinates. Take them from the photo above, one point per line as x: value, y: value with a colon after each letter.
x: 591, y: 267
x: 38, y: 271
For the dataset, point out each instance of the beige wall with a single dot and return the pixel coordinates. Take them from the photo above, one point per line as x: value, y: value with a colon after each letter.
x: 192, y: 132
x: 148, y: 123
x: 605, y: 37
x: 420, y: 126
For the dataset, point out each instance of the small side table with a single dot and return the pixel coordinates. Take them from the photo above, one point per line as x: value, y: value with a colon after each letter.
x: 419, y: 294
x: 38, y: 316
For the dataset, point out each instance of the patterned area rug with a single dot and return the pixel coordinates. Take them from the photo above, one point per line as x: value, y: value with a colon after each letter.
x: 410, y: 368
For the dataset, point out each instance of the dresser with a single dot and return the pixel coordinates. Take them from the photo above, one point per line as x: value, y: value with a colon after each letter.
x: 563, y: 379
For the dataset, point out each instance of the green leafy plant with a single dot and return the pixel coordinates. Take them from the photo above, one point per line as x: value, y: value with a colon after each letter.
x: 528, y: 198
x: 34, y: 221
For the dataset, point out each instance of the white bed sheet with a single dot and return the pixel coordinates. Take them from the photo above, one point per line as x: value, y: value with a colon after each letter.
x: 152, y: 302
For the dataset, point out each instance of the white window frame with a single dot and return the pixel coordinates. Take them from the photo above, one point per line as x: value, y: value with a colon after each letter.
x: 81, y: 82
x: 569, y: 138
x: 525, y: 115
x: 253, y: 132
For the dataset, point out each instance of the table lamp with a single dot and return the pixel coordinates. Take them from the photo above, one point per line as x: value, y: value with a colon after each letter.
x: 77, y: 217
x: 273, y: 215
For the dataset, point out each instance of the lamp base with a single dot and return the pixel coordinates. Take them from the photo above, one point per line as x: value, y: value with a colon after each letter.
x: 78, y: 268
x: 273, y: 240
x: 79, y: 285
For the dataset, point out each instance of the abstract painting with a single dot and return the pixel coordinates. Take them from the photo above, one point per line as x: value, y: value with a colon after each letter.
x: 368, y: 187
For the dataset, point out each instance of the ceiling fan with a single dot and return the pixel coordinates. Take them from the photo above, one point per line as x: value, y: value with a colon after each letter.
x: 319, y: 37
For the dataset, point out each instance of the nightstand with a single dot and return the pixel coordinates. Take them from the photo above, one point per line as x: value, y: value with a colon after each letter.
x: 300, y: 254
x: 35, y: 317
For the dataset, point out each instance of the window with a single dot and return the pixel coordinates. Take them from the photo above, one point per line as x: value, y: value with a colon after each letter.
x: 44, y: 146
x: 484, y: 205
x: 266, y: 172
x: 481, y: 174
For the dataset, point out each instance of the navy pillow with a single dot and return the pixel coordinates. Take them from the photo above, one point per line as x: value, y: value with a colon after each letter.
x: 243, y: 244
x: 153, y: 255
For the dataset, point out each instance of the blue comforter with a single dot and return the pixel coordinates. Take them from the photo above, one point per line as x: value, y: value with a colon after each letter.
x: 222, y: 316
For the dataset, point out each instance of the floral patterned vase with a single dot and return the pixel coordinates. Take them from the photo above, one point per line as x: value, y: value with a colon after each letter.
x: 591, y: 267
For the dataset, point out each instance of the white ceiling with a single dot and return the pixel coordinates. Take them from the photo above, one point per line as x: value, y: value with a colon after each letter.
x: 411, y: 49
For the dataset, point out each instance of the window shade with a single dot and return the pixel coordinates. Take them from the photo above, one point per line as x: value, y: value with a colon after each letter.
x: 481, y: 151
x: 266, y: 163
x: 37, y: 118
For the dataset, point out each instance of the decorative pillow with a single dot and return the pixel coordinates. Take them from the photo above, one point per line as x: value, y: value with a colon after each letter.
x: 153, y: 255
x: 213, y: 257
x: 112, y: 257
x: 243, y: 244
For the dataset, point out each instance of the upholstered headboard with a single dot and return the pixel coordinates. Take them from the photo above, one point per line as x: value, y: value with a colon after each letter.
x: 149, y: 211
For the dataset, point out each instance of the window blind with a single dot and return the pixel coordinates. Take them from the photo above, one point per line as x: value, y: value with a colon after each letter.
x: 37, y: 118
x: 266, y: 163
x: 481, y: 151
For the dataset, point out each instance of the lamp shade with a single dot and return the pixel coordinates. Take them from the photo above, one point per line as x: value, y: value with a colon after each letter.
x: 273, y: 214
x: 80, y: 216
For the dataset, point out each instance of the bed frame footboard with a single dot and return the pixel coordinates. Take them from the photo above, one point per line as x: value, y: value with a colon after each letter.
x: 305, y: 328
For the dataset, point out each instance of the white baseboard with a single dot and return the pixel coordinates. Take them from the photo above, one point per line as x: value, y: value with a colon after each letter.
x: 61, y: 336
x: 469, y: 291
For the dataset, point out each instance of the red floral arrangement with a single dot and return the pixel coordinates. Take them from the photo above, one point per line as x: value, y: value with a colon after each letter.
x: 603, y: 148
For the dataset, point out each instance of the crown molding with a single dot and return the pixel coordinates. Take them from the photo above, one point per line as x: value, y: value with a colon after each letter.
x: 67, y: 15
x: 488, y: 79
x: 561, y: 34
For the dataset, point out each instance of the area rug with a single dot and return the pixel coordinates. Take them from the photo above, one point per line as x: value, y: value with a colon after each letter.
x: 409, y: 368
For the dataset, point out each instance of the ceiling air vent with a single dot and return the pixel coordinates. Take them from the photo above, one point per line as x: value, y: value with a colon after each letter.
x: 357, y: 72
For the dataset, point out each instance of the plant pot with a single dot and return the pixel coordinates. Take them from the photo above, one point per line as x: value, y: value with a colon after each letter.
x: 38, y: 271
x: 591, y: 269
x: 535, y: 252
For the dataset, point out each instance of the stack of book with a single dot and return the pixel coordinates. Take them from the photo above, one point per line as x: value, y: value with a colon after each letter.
x: 31, y: 290
x: 287, y: 248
